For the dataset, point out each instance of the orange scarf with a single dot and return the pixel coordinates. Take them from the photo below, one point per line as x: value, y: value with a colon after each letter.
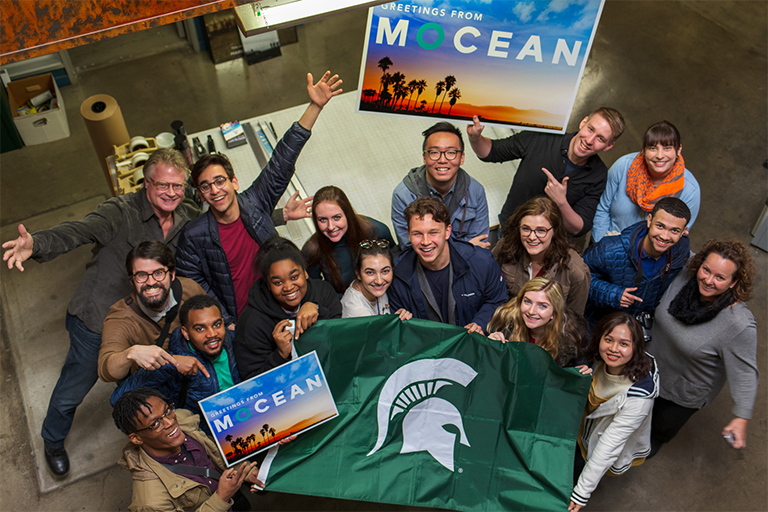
x: 644, y: 193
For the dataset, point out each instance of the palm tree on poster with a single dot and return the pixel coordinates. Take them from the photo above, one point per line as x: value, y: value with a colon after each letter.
x: 412, y: 86
x: 398, y: 84
x: 229, y: 440
x: 422, y: 106
x: 384, y: 64
x: 368, y: 94
x: 438, y: 90
x: 272, y: 433
x: 385, y: 80
x: 421, y: 85
x: 401, y: 92
x: 455, y: 94
x: 450, y: 81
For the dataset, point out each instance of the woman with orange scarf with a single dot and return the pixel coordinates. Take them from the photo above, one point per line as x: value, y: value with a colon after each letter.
x: 637, y: 180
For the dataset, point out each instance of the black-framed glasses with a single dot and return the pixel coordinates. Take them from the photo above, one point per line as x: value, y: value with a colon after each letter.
x: 538, y: 232
x: 218, y: 182
x: 367, y: 244
x: 162, y: 186
x: 450, y: 154
x: 158, y: 275
x: 157, y: 425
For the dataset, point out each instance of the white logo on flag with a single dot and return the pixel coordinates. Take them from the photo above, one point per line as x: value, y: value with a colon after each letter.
x: 410, y: 390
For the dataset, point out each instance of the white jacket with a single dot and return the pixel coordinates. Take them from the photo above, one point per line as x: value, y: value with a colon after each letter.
x: 616, y: 433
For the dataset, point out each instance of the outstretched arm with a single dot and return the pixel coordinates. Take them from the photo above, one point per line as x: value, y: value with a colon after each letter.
x: 319, y: 95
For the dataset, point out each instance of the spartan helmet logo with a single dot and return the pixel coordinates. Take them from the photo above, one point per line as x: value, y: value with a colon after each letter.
x: 410, y: 390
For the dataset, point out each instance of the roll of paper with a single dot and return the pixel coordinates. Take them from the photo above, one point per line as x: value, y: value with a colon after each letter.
x: 106, y: 127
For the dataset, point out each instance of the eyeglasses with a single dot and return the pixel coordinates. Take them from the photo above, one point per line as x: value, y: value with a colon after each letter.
x: 157, y: 425
x: 367, y: 244
x: 218, y: 182
x: 450, y: 154
x: 538, y: 232
x: 163, y: 186
x: 158, y: 275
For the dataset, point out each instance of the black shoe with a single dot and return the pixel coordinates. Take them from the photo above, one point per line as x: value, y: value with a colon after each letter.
x: 57, y: 460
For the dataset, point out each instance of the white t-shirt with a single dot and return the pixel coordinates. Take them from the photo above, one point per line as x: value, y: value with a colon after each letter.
x: 354, y: 304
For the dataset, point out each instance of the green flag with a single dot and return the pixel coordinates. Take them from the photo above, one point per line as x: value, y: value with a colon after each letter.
x: 430, y: 415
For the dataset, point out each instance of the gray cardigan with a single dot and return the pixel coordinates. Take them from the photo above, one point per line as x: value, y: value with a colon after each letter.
x: 695, y: 360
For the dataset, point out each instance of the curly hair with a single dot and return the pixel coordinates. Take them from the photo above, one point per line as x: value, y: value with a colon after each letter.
x: 511, y: 249
x: 639, y: 364
x: 734, y: 251
x: 508, y: 318
x: 318, y: 250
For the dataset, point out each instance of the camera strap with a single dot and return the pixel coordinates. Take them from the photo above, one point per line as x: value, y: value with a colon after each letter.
x: 667, y: 264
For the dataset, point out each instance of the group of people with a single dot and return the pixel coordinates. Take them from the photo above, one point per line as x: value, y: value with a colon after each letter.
x: 208, y: 300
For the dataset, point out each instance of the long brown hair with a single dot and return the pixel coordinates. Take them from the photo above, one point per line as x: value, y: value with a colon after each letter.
x: 510, y: 247
x: 639, y: 364
x: 319, y: 249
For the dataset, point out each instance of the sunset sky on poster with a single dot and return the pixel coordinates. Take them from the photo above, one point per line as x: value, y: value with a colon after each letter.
x: 287, y: 414
x: 500, y: 86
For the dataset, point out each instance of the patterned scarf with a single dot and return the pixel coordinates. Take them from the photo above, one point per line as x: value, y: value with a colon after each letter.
x: 641, y: 189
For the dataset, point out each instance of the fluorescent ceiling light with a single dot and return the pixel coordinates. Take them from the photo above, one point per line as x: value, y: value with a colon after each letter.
x: 266, y: 15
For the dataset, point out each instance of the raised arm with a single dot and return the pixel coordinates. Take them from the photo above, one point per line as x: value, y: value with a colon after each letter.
x: 319, y: 95
x: 481, y: 144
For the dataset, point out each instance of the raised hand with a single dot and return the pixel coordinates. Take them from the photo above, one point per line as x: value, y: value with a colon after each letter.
x: 325, y: 88
x: 296, y: 208
x: 19, y: 250
x: 475, y: 130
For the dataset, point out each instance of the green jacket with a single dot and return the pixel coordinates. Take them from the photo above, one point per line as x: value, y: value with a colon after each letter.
x: 157, y: 489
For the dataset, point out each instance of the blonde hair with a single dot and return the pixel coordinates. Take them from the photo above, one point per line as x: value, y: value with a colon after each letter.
x: 509, y: 317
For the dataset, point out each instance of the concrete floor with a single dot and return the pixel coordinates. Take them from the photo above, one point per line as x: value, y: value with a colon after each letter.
x: 701, y: 65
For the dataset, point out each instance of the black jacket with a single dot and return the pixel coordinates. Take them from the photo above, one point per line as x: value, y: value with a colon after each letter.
x: 255, y: 349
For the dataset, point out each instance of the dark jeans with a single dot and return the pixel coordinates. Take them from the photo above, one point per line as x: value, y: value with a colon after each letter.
x: 667, y: 420
x: 78, y: 375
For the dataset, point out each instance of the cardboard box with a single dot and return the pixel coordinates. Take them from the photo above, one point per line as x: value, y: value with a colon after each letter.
x: 43, y: 126
x: 221, y: 29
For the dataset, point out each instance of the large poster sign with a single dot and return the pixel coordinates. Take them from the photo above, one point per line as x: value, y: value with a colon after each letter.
x: 254, y: 415
x: 511, y: 63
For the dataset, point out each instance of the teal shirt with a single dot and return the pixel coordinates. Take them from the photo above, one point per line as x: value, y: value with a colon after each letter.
x: 221, y: 365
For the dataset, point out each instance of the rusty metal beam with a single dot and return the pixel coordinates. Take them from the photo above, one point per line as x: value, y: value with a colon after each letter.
x: 37, y: 27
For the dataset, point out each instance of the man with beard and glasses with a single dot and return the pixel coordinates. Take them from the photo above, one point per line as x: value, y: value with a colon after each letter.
x: 135, y: 333
x: 204, y: 336
x: 631, y: 271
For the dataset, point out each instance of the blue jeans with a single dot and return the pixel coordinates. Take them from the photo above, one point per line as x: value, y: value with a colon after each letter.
x: 78, y: 376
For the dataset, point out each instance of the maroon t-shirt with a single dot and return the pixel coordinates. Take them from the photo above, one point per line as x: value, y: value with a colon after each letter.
x: 241, y: 251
